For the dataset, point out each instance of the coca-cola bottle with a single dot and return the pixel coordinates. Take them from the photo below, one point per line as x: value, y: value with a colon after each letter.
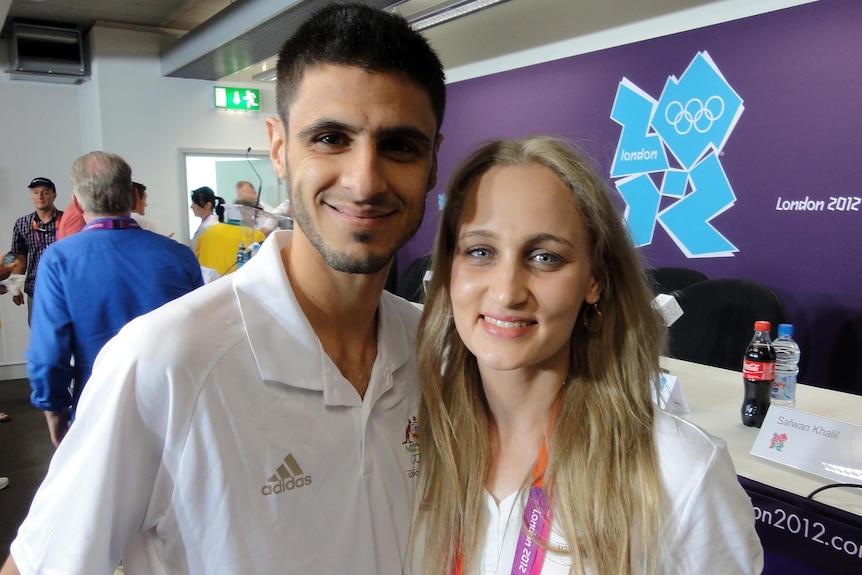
x: 758, y: 373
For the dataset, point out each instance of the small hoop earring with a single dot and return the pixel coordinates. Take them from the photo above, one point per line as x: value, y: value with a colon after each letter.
x: 593, y: 317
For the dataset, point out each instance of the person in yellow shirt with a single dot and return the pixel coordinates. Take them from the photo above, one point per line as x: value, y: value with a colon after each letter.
x: 217, y: 247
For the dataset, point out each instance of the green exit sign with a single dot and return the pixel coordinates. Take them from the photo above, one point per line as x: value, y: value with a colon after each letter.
x: 237, y: 98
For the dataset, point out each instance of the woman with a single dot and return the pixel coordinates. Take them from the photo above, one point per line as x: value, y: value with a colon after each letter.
x: 204, y: 204
x: 538, y: 352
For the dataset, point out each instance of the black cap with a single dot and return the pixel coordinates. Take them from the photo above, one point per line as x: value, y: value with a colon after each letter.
x: 35, y: 182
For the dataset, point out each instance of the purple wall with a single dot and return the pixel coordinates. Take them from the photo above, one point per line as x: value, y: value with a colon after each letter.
x: 799, y: 73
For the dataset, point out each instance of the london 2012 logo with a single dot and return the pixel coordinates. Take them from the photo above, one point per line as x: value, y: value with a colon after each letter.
x: 666, y: 165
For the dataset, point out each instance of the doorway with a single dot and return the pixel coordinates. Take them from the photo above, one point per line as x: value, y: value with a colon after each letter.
x: 221, y: 170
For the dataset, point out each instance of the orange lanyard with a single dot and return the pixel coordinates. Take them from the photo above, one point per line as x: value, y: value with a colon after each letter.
x: 529, y: 556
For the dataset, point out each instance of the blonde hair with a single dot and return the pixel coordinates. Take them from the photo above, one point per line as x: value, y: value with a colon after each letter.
x: 603, y: 476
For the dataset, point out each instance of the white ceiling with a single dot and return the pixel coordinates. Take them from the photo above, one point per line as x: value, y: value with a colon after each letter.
x: 517, y: 25
x: 181, y: 15
x: 513, y: 26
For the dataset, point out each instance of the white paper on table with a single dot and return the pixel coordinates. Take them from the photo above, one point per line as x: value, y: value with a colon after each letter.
x: 819, y: 445
x: 671, y: 397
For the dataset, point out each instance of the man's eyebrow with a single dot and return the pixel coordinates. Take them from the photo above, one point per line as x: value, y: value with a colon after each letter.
x: 329, y: 125
x: 325, y: 125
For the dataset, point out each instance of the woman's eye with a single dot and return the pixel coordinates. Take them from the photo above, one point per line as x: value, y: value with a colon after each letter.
x: 478, y: 252
x: 546, y: 258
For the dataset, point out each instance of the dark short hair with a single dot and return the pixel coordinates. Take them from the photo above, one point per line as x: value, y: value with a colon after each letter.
x: 140, y: 188
x: 364, y: 37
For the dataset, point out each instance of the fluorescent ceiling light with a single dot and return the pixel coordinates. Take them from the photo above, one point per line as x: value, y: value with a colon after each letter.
x: 266, y: 76
x: 450, y: 12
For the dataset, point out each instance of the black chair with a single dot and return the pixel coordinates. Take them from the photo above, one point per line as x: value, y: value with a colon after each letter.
x: 410, y: 286
x: 667, y: 280
x: 718, y: 321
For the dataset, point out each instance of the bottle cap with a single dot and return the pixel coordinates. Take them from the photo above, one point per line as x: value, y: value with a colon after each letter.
x: 785, y: 329
x: 762, y: 326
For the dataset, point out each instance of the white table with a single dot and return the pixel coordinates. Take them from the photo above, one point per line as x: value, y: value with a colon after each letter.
x: 714, y: 397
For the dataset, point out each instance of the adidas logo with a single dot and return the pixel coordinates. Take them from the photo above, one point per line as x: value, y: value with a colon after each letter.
x: 287, y: 476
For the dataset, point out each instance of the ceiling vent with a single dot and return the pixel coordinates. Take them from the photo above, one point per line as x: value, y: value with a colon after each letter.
x: 46, y: 54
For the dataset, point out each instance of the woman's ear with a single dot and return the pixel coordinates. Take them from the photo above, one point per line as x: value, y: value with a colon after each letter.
x: 594, y: 291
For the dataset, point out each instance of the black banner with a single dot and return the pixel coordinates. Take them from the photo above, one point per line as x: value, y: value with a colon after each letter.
x: 804, y: 537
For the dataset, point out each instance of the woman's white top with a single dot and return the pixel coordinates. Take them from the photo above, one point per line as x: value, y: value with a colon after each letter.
x: 713, y: 519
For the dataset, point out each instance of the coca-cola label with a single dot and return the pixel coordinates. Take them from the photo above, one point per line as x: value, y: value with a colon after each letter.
x: 758, y: 370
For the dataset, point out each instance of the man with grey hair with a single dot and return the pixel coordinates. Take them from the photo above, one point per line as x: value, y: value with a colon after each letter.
x: 93, y: 283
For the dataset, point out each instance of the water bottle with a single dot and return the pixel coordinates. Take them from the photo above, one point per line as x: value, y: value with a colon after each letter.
x: 786, y: 367
x: 758, y: 373
x: 240, y: 255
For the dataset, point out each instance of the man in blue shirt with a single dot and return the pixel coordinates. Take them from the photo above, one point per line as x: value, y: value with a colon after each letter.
x: 94, y: 282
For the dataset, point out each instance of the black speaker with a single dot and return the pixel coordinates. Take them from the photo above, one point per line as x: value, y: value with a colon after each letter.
x: 47, y: 53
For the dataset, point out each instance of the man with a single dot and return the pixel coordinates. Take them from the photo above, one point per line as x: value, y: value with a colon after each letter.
x: 73, y: 216
x: 94, y: 282
x: 32, y: 234
x: 257, y: 425
x: 246, y: 195
x: 139, y: 208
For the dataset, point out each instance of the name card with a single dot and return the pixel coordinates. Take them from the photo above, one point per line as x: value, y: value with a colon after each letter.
x: 671, y: 398
x: 811, y: 443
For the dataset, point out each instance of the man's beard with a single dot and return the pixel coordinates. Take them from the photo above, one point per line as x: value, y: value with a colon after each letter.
x: 341, y: 261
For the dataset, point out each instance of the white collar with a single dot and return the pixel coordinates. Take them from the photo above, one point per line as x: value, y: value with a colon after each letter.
x: 272, y: 315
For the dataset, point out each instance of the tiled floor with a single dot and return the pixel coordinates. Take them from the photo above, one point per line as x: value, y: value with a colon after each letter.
x: 25, y: 452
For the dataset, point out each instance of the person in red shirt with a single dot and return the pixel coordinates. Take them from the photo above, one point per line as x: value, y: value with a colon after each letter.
x: 73, y: 220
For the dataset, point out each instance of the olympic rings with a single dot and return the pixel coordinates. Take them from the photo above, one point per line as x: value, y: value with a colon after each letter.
x: 695, y: 114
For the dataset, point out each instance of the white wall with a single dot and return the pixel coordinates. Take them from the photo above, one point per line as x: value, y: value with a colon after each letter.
x: 147, y: 119
x: 40, y: 135
x: 127, y: 108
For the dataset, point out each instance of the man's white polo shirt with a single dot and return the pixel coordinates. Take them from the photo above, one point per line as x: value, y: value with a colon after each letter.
x: 216, y: 436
